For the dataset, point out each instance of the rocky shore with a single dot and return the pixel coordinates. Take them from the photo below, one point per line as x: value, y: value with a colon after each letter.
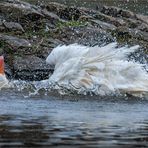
x: 28, y: 33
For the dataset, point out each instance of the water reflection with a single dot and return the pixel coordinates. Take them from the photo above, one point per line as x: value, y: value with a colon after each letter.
x: 41, y: 132
x: 54, y: 122
x: 16, y: 131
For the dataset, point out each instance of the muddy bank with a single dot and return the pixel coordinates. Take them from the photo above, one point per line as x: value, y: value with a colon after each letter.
x: 29, y: 32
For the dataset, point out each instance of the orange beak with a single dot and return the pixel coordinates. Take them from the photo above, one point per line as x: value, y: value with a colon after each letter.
x: 2, y: 65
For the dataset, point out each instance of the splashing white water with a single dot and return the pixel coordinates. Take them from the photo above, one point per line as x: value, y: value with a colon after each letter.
x: 3, y: 82
x: 97, y: 70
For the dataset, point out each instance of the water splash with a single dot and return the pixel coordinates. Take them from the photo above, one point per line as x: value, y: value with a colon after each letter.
x: 97, y: 70
x: 70, y: 79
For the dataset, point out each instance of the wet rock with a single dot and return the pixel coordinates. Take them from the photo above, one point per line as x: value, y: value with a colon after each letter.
x: 17, y: 9
x: 143, y: 27
x: 127, y: 13
x: 87, y: 11
x: 8, y: 71
x: 128, y: 34
x: 54, y: 42
x: 112, y: 11
x: 12, y: 26
x: 85, y: 18
x: 47, y: 46
x: 49, y: 15
x: 142, y: 18
x: 30, y: 68
x: 70, y: 13
x: 1, y: 22
x: 30, y: 17
x: 103, y: 25
x: 6, y: 26
x: 97, y: 23
x: 2, y: 28
x: 117, y: 12
x: 140, y: 35
x: 55, y: 7
x: 84, y: 35
x: 15, y: 42
x: 63, y: 11
x: 133, y: 23
x: 109, y: 19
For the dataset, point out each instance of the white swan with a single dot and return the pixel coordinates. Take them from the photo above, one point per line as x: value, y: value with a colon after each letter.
x: 102, y: 70
x: 3, y: 79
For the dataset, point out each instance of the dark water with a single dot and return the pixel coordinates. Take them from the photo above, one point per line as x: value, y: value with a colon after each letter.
x: 48, y: 121
x: 138, y: 6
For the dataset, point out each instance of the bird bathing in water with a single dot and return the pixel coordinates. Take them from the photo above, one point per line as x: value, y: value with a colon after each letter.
x: 100, y: 70
x: 3, y: 79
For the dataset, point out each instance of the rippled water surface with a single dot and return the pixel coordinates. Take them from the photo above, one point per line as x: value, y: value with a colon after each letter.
x: 48, y: 121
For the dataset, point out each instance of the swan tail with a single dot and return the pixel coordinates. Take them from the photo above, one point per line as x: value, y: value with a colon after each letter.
x: 110, y: 52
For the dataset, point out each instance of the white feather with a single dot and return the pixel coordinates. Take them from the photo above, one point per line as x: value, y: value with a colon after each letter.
x: 100, y: 69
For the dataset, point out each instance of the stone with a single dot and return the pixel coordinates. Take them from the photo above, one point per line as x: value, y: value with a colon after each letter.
x: 133, y: 23
x: 17, y: 9
x: 132, y: 34
x: 47, y: 46
x: 12, y: 26
x: 103, y: 25
x: 127, y: 14
x: 55, y: 7
x: 142, y: 18
x: 109, y: 19
x: 143, y: 27
x: 63, y: 11
x: 117, y: 12
x: 15, y: 42
x: 85, y: 18
x: 84, y: 35
x: 140, y: 35
x: 8, y: 71
x: 87, y: 11
x: 112, y: 11
x: 50, y: 15
x: 2, y: 28
x: 30, y: 68
x: 70, y: 13
x: 1, y: 22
